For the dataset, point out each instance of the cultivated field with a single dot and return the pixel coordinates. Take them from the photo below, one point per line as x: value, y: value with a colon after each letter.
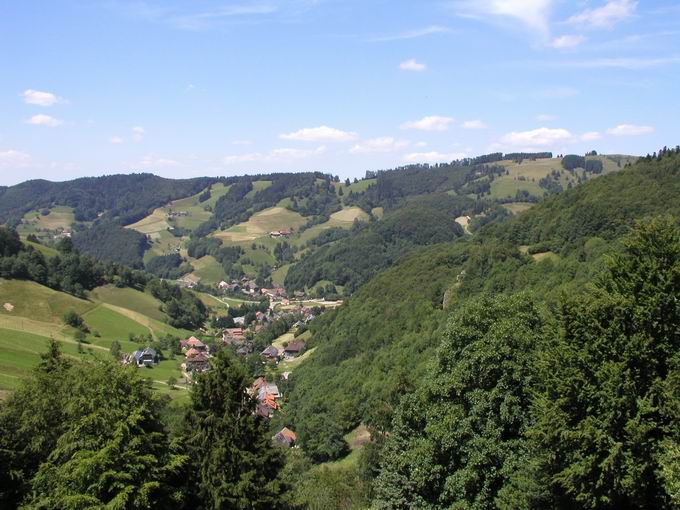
x: 260, y: 224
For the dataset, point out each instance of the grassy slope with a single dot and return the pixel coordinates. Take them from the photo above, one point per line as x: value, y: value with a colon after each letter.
x: 37, y: 316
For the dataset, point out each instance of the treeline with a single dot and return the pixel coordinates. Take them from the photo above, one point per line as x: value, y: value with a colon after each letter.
x: 183, y: 307
x: 227, y: 256
x: 69, y: 271
x: 371, y: 247
x: 123, y: 198
x: 170, y: 267
x: 94, y: 434
x: 109, y: 242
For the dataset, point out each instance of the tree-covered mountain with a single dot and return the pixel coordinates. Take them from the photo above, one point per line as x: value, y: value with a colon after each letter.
x: 378, y: 344
x: 124, y: 198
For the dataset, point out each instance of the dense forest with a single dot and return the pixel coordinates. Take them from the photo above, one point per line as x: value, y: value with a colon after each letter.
x: 124, y: 198
x: 379, y: 343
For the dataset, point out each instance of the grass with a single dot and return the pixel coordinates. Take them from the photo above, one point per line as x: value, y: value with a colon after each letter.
x: 279, y: 275
x: 208, y: 269
x: 261, y: 223
x: 45, y: 250
x: 341, y: 219
x: 258, y: 186
x: 517, y: 207
x: 60, y: 217
x: 132, y: 299
x: 36, y: 302
x: 111, y: 326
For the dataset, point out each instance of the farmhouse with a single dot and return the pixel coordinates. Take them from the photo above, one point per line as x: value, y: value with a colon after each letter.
x: 233, y: 336
x: 193, y: 343
x: 145, y: 358
x: 294, y: 349
x: 271, y: 353
x: 284, y: 437
x: 197, y: 363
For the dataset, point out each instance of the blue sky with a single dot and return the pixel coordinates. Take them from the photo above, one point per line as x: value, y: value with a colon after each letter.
x: 191, y: 88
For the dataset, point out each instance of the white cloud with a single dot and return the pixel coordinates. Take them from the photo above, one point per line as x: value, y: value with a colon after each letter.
x: 591, y: 136
x: 276, y: 155
x: 630, y: 130
x: 40, y: 98
x: 382, y: 144
x: 242, y: 142
x: 546, y: 117
x: 411, y: 34
x: 613, y: 12
x: 622, y: 63
x: 12, y: 157
x: 429, y: 123
x: 320, y: 134
x: 533, y: 13
x: 540, y: 137
x: 138, y: 133
x: 433, y: 157
x: 474, y: 124
x: 156, y: 162
x: 412, y: 65
x: 44, y: 120
x: 567, y: 41
x: 420, y: 144
x: 116, y: 140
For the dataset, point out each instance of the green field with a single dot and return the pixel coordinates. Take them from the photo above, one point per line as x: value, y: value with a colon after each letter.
x: 208, y: 269
x: 129, y: 298
x: 260, y: 224
x: 59, y: 217
x: 30, y: 314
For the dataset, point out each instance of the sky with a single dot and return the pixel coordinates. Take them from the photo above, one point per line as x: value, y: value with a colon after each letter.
x: 207, y: 87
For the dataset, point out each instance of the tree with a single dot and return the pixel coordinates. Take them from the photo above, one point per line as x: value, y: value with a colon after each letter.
x: 115, y: 349
x: 458, y: 439
x: 608, y: 419
x: 234, y: 462
x: 172, y: 381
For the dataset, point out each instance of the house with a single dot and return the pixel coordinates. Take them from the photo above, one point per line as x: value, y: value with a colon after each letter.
x: 233, y: 336
x: 145, y: 358
x: 270, y: 352
x: 243, y: 350
x: 223, y: 285
x: 268, y: 391
x: 257, y: 384
x: 198, y: 363
x: 285, y: 437
x: 191, y: 353
x: 195, y: 343
x: 240, y: 320
x: 294, y: 349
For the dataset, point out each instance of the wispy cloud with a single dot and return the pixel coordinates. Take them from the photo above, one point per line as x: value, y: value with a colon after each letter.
x: 611, y: 13
x: 44, y: 120
x: 632, y: 63
x: 138, y: 133
x: 41, y: 98
x: 433, y: 157
x: 381, y: 144
x: 567, y: 42
x: 630, y: 130
x: 532, y: 13
x: 546, y: 117
x: 474, y: 124
x: 411, y: 34
x: 320, y: 134
x: 188, y: 18
x: 591, y: 136
x: 412, y: 65
x: 429, y: 123
x: 274, y: 156
x: 116, y: 140
x: 13, y: 158
x: 541, y: 137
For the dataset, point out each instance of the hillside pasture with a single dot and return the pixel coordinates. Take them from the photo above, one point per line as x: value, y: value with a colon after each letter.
x: 260, y: 224
x: 341, y: 219
x: 517, y: 207
x: 59, y: 217
x: 140, y: 302
x: 208, y: 269
x: 37, y: 302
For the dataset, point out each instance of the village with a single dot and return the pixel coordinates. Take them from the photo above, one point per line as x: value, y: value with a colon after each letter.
x: 273, y: 331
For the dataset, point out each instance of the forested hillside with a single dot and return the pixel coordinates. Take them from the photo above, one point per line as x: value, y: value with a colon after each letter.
x: 379, y: 342
x: 125, y: 198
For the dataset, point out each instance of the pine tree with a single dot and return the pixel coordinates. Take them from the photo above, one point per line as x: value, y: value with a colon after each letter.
x: 234, y: 462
